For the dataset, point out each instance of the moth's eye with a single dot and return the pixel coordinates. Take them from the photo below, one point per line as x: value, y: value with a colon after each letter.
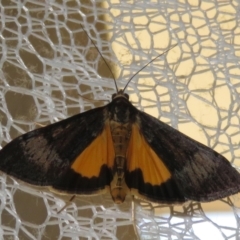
x: 126, y: 96
x: 114, y: 95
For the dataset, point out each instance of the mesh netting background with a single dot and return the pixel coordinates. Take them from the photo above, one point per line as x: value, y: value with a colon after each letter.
x: 51, y: 70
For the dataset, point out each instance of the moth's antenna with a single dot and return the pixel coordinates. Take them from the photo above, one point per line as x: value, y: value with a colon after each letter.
x: 101, y: 56
x: 147, y: 65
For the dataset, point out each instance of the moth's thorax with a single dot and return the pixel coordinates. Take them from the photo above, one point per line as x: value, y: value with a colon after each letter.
x: 121, y: 133
x: 120, y: 110
x: 121, y: 128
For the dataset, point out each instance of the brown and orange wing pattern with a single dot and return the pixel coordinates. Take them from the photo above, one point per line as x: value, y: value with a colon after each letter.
x: 176, y: 168
x: 72, y: 155
x: 147, y: 175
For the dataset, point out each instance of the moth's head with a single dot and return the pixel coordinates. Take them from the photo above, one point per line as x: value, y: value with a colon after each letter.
x: 119, y: 94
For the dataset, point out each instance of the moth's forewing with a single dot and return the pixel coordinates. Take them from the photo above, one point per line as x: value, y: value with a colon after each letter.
x: 197, y: 172
x: 45, y: 156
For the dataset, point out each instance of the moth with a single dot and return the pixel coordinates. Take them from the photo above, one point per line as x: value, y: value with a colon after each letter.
x: 121, y: 149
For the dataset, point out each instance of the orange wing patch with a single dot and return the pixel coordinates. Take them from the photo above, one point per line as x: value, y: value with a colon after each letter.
x: 98, y: 153
x: 141, y: 156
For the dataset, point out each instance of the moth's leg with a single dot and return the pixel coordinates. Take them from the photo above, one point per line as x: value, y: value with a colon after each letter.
x: 39, y: 124
x: 67, y: 203
x: 134, y: 218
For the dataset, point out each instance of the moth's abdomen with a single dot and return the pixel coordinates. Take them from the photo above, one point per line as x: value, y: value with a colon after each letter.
x: 120, y: 135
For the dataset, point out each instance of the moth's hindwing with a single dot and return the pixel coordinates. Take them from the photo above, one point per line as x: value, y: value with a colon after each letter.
x: 147, y: 173
x: 90, y: 172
